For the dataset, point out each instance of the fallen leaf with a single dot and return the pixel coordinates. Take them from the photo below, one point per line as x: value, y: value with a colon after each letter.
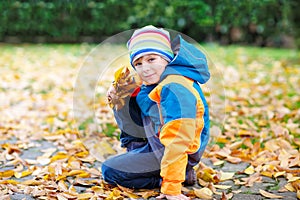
x: 13, y: 182
x: 22, y: 174
x: 249, y: 170
x: 84, y: 196
x: 269, y: 195
x: 223, y: 187
x: 203, y: 193
x: 290, y: 187
x: 7, y: 174
x: 226, y: 176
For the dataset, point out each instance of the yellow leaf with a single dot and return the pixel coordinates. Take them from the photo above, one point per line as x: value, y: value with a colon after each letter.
x: 97, y: 190
x: 298, y: 194
x: 13, y: 182
x: 222, y: 187
x: 290, y: 187
x: 75, y: 172
x: 22, y: 174
x: 59, y: 156
x: 84, y: 175
x: 249, y: 170
x: 69, y: 195
x: 7, y: 174
x: 292, y: 179
x: 85, y: 196
x: 31, y: 182
x: 115, y: 193
x: 131, y: 195
x: 119, y: 72
x: 60, y: 177
x: 72, y: 190
x: 226, y: 176
x: 277, y: 174
x: 269, y: 195
x: 245, y: 133
x: 267, y: 173
x: 203, y: 193
x: 220, y: 162
x: 206, y: 175
x: 79, y: 173
x: 82, y: 154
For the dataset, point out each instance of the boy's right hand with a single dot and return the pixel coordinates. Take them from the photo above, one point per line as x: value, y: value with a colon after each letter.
x: 111, y: 93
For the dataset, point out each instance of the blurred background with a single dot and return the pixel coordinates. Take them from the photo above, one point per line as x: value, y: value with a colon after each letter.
x: 273, y: 23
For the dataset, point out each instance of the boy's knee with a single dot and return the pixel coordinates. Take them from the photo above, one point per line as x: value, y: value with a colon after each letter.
x: 108, y: 174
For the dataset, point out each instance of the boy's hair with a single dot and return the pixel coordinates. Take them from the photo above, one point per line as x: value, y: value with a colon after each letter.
x: 150, y: 40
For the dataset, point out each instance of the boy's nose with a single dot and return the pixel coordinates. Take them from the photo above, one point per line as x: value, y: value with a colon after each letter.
x: 146, y: 67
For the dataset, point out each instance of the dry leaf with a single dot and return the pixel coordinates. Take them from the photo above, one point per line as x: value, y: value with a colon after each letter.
x: 84, y: 196
x: 124, y: 83
x: 226, y: 196
x: 269, y: 195
x: 22, y: 174
x: 226, y: 176
x: 223, y: 187
x: 249, y: 170
x: 203, y: 193
x: 61, y: 197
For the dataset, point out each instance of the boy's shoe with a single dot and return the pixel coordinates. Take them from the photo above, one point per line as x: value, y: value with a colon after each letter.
x: 190, y: 178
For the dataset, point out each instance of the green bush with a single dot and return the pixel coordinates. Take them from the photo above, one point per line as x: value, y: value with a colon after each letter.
x: 229, y: 21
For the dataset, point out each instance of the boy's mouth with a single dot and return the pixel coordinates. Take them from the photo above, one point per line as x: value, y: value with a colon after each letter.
x: 149, y: 76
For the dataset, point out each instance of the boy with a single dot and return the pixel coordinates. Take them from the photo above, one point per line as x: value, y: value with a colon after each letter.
x: 173, y: 111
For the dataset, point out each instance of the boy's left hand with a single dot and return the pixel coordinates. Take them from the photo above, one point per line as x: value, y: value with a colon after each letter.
x: 173, y: 197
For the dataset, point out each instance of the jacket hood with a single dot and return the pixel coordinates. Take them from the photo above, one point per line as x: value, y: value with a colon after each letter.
x: 189, y: 62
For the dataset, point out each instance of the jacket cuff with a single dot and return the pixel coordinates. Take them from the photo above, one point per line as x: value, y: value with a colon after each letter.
x: 171, y: 188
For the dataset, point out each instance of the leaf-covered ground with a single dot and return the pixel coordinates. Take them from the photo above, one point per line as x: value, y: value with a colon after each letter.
x: 46, y: 154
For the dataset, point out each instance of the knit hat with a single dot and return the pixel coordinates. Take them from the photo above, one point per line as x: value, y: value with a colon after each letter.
x: 148, y: 40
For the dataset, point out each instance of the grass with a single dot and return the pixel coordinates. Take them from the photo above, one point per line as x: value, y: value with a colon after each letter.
x: 215, y: 51
x: 250, y: 53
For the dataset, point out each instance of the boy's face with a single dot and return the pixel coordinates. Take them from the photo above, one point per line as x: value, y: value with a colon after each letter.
x: 150, y: 67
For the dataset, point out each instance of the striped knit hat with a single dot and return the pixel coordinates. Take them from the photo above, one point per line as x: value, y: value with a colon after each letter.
x: 148, y: 40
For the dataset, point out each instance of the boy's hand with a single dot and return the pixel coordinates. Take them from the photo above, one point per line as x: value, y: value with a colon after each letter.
x: 173, y: 197
x: 111, y: 93
x: 122, y: 87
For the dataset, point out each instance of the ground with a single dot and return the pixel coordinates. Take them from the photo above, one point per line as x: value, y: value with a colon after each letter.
x: 48, y: 153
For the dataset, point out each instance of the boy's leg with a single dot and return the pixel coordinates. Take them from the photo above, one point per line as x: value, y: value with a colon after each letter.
x: 135, y: 169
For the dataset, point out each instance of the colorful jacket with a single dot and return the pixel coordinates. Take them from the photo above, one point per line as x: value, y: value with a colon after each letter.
x: 179, y: 112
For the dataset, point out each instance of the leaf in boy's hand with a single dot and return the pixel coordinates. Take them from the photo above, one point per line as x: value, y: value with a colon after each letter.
x: 125, y: 82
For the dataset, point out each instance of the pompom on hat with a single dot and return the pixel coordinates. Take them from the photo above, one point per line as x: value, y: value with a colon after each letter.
x: 150, y: 40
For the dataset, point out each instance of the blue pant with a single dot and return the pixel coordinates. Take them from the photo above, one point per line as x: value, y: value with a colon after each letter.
x: 138, y: 168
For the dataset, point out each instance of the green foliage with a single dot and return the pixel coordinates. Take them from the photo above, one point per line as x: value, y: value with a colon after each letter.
x: 229, y: 21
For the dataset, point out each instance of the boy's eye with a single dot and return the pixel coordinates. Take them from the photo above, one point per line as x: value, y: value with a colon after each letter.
x: 137, y: 64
